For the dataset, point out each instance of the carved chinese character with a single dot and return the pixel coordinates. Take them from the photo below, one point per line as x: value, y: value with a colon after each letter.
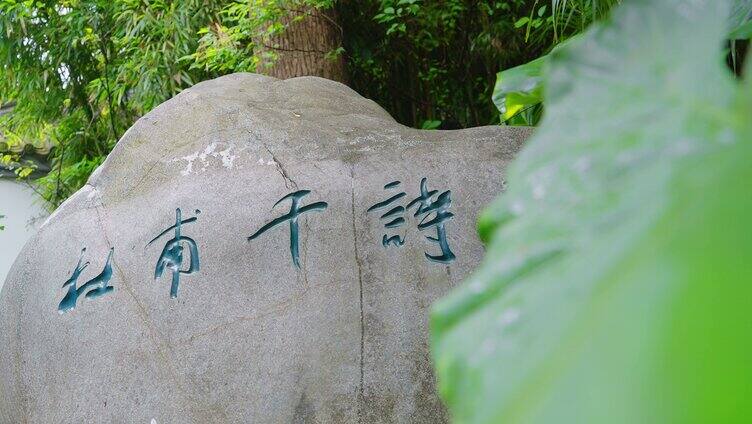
x: 92, y: 289
x: 433, y: 213
x: 439, y: 209
x: 172, y: 254
x: 295, y: 211
x: 394, y: 216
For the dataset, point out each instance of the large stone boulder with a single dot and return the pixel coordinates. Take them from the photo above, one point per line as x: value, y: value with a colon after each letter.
x: 172, y: 289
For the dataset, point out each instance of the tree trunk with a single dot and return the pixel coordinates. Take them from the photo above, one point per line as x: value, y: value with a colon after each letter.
x: 305, y: 47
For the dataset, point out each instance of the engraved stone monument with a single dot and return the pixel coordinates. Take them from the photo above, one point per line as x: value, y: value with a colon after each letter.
x: 252, y: 251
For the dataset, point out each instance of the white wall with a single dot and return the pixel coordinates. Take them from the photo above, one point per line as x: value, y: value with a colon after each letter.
x: 23, y: 215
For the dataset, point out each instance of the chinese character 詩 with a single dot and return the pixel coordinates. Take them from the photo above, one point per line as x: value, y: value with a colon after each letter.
x: 432, y: 210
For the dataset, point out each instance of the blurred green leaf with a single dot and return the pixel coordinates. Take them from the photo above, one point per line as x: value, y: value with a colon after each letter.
x: 617, y: 279
x: 742, y: 32
x: 522, y: 21
x: 519, y: 88
x: 431, y: 124
x: 740, y: 22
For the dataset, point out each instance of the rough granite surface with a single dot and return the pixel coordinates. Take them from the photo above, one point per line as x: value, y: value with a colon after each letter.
x: 250, y: 337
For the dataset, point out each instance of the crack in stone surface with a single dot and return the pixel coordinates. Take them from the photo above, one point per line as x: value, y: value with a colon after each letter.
x: 361, y: 398
x: 157, y: 339
x: 145, y: 174
x: 279, y: 307
x: 307, y: 227
x: 289, y: 183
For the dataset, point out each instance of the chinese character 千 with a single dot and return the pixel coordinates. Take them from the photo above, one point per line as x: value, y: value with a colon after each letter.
x: 94, y: 288
x: 292, y: 216
x: 393, y: 216
x: 172, y: 254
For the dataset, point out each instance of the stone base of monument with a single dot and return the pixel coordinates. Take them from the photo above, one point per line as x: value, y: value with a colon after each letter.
x: 252, y: 251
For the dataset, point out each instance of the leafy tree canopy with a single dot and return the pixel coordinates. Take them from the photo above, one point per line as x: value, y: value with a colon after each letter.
x: 82, y: 71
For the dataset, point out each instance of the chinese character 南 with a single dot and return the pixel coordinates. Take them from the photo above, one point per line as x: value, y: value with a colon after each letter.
x: 433, y: 212
x: 393, y: 216
x: 295, y: 211
x: 94, y: 288
x: 172, y: 254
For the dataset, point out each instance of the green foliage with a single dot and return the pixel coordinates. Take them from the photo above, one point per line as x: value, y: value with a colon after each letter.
x: 425, y: 62
x: 740, y: 22
x: 82, y: 71
x: 563, y: 18
x: 231, y: 43
x: 435, y: 61
x: 616, y: 282
x: 518, y: 93
x: 395, y: 14
x: 152, y: 37
x: 430, y: 124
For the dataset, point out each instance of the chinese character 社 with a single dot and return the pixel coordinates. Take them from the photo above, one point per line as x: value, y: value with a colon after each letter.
x: 94, y: 288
